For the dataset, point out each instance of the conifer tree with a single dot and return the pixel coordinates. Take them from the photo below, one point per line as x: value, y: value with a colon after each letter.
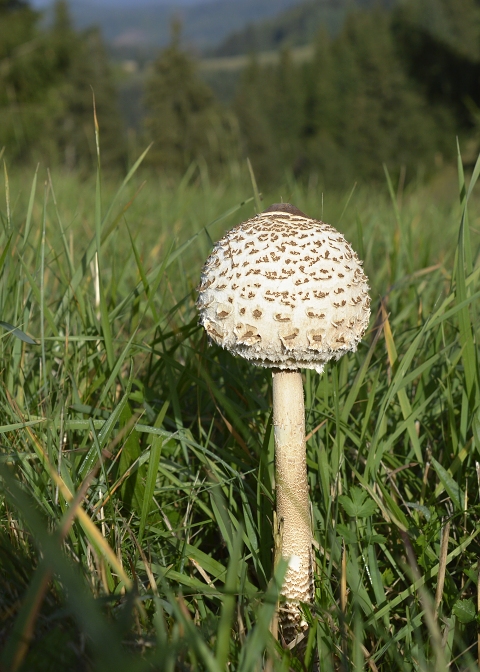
x: 381, y: 117
x: 286, y: 108
x: 24, y: 71
x: 344, y: 114
x: 259, y: 141
x: 439, y: 43
x: 46, y: 82
x: 183, y: 119
x: 322, y: 109
x: 82, y: 73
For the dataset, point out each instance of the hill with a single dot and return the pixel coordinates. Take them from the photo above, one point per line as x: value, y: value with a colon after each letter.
x: 293, y: 26
x: 146, y: 25
x: 44, y: 4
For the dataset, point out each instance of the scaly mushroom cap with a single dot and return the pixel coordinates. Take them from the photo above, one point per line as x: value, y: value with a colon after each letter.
x: 284, y: 291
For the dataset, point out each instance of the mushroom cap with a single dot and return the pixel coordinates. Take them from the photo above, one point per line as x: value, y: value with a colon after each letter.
x: 284, y: 291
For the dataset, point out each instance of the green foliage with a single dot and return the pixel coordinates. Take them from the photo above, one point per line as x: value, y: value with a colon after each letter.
x: 16, y: 26
x: 439, y: 43
x: 453, y: 23
x: 379, y: 116
x: 255, y: 99
x: 46, y: 84
x: 357, y: 504
x: 342, y: 115
x: 464, y: 610
x: 82, y: 71
x: 183, y: 119
x: 382, y: 88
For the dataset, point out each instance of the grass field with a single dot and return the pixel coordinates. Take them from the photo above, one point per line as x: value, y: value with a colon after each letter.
x: 136, y: 462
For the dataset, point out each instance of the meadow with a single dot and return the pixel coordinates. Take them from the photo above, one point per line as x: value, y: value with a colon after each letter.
x: 136, y: 461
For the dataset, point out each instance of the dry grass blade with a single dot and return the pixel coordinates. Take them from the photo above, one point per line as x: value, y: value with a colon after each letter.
x: 442, y: 566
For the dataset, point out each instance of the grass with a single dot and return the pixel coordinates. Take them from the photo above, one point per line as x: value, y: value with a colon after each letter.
x: 136, y: 462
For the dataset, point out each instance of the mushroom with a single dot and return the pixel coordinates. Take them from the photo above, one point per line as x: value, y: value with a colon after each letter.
x: 286, y: 292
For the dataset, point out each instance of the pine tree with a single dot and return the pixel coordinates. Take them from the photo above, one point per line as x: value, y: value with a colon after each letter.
x: 24, y: 73
x: 183, y: 119
x: 439, y: 44
x: 285, y: 107
x: 342, y: 116
x: 82, y: 74
x: 323, y: 100
x: 259, y: 142
x: 380, y: 116
x: 454, y: 23
x: 46, y: 82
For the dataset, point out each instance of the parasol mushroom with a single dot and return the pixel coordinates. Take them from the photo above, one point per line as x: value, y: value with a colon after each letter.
x: 286, y: 292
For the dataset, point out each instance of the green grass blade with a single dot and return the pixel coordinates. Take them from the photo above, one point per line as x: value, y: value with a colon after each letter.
x: 258, y: 200
x: 260, y: 637
x: 228, y: 604
x: 28, y: 220
x: 153, y: 462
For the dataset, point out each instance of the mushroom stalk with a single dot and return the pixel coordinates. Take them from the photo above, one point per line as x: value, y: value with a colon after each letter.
x: 293, y: 504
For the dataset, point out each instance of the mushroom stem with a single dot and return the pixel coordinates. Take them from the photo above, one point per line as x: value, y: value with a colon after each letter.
x: 293, y: 505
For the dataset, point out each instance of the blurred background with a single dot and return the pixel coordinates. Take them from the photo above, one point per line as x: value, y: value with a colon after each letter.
x: 325, y: 90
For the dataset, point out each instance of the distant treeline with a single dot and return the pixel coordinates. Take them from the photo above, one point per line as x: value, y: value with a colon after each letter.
x: 393, y: 86
x: 47, y: 79
x: 295, y: 26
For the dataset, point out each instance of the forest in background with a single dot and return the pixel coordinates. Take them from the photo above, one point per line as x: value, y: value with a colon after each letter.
x: 393, y: 85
